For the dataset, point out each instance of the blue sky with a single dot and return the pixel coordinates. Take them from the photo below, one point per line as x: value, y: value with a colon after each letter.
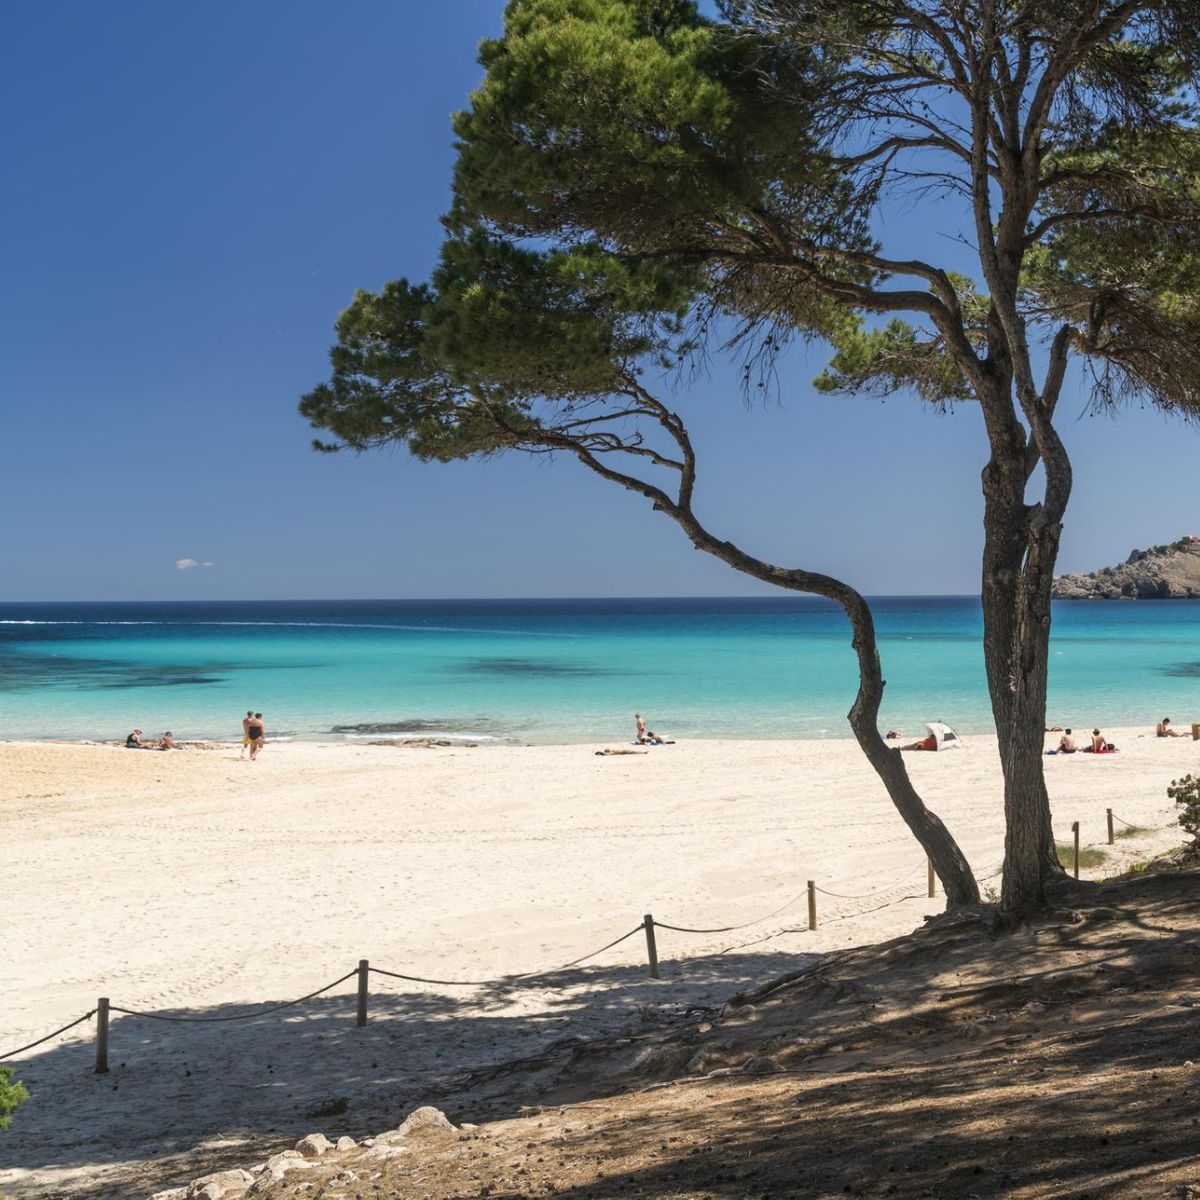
x: 192, y: 194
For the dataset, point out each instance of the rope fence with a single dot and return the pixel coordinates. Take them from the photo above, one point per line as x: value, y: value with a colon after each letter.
x: 87, y: 1016
x: 647, y: 926
x: 260, y: 1012
x: 1130, y: 825
x: 878, y: 908
x: 504, y: 979
x: 732, y: 928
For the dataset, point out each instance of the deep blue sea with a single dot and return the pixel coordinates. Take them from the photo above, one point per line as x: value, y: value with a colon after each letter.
x: 559, y: 670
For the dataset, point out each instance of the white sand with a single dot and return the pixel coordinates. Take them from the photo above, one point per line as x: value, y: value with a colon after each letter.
x: 194, y: 882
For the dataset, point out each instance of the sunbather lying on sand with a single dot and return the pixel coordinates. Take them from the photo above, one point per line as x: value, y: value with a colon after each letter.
x: 926, y: 743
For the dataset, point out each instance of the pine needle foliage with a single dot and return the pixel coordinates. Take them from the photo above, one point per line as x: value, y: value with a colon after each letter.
x: 640, y: 184
x: 12, y: 1095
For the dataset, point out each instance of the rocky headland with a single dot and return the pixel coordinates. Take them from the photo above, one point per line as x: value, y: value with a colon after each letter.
x: 1170, y: 572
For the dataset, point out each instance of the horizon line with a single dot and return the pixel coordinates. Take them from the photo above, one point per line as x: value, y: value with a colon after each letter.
x: 782, y: 593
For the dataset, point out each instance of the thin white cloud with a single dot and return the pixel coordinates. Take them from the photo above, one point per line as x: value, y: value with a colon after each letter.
x: 186, y: 564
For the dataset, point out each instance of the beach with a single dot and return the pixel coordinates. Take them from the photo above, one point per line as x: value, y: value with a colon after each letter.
x: 194, y: 883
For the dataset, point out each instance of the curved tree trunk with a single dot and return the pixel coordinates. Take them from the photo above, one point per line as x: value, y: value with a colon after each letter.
x: 935, y: 839
x: 949, y: 862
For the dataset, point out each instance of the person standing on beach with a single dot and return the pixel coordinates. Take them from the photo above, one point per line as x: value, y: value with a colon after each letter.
x: 246, y: 731
x: 641, y: 728
x: 256, y: 731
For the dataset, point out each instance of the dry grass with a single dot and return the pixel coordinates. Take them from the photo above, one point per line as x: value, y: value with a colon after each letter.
x: 1089, y: 856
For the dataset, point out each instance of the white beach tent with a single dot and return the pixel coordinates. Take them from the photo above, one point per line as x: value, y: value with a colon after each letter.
x: 944, y: 736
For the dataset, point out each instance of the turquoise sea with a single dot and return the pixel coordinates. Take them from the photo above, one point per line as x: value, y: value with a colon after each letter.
x: 559, y: 670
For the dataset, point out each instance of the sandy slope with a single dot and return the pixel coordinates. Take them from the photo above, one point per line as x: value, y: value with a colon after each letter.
x: 197, y: 883
x: 1055, y: 1062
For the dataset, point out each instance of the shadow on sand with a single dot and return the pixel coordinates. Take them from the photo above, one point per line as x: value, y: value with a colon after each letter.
x: 180, y: 1097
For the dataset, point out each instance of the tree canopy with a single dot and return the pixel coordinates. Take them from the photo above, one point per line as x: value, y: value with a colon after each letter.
x: 637, y: 183
x: 732, y: 168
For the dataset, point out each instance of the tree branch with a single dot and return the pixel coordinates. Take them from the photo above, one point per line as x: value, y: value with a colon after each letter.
x: 935, y: 839
x: 1065, y: 59
x: 1143, y: 212
x: 1056, y: 371
x: 889, y: 148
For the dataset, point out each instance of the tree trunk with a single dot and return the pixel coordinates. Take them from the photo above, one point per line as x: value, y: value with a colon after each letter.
x: 935, y: 839
x: 1020, y: 549
x: 1005, y: 529
x: 949, y: 863
x: 1004, y: 540
x: 1030, y: 859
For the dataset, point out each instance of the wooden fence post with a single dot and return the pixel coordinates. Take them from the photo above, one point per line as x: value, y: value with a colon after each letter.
x: 1075, y: 831
x: 102, y: 1036
x: 364, y: 969
x: 1111, y: 838
x: 812, y: 905
x: 651, y: 947
x: 931, y: 878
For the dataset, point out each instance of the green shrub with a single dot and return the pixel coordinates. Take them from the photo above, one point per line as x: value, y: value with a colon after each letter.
x: 1130, y: 831
x: 1186, y: 794
x: 11, y: 1095
x: 1088, y: 856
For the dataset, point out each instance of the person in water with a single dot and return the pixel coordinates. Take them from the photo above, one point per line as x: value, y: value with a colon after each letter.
x: 1163, y: 729
x: 256, y: 731
x: 246, y: 731
x: 647, y: 737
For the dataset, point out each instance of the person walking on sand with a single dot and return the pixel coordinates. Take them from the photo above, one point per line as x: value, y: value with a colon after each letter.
x: 246, y: 731
x: 256, y: 731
